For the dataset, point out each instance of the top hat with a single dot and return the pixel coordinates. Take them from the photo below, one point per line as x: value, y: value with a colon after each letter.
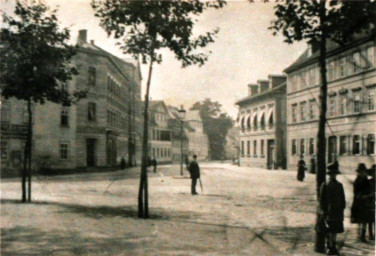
x: 333, y: 168
x: 371, y: 170
x: 361, y: 168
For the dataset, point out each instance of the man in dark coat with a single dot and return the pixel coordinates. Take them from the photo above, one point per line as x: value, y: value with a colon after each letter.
x: 194, y: 170
x: 332, y: 205
x: 371, y: 203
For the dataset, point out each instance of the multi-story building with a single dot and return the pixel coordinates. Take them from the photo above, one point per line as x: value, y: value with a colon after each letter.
x: 262, y: 117
x: 94, y: 132
x: 159, y: 132
x: 198, y: 140
x: 179, y: 139
x: 351, y: 112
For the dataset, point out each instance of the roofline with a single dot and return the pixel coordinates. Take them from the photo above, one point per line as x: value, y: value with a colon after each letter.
x: 329, y: 53
x: 253, y: 97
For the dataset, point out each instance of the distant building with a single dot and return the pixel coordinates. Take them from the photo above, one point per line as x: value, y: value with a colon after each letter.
x: 232, y: 144
x: 351, y: 112
x: 99, y: 129
x: 262, y: 120
x: 198, y: 140
x: 159, y: 132
x: 179, y: 139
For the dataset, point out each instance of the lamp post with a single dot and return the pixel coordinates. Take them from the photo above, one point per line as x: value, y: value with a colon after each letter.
x: 181, y: 112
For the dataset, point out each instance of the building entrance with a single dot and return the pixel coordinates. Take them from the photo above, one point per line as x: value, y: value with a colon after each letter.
x: 270, y: 156
x: 90, y: 152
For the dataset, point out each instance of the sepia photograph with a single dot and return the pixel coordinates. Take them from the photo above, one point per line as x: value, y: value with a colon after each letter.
x: 187, y: 127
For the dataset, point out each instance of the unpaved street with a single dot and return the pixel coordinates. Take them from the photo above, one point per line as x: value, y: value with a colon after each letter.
x: 242, y: 211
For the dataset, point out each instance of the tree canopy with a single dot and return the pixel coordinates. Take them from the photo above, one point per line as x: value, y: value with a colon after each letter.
x: 35, y: 64
x: 216, y: 125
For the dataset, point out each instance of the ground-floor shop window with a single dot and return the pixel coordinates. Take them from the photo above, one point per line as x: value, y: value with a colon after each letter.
x: 311, y: 146
x: 342, y: 145
x: 371, y: 144
x: 356, y: 145
x: 302, y: 146
x: 293, y: 147
x: 63, y: 151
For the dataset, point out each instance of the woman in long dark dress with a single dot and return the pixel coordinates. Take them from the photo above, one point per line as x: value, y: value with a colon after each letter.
x: 301, y: 169
x: 371, y: 203
x: 359, y: 208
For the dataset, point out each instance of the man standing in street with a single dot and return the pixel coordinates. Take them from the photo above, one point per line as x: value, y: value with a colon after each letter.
x: 194, y: 170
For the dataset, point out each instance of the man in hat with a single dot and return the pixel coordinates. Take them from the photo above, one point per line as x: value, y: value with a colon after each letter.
x: 371, y: 203
x: 332, y: 206
x: 359, y: 207
x: 194, y: 170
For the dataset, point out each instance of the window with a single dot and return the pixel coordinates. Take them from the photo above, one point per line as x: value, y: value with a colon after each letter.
x: 262, y: 148
x: 312, y: 105
x: 356, y: 62
x: 4, y: 149
x: 356, y: 145
x: 331, y: 71
x: 91, y: 114
x: 311, y: 146
x: 303, y: 111
x: 63, y: 151
x: 255, y: 147
x: 293, y: 113
x: 356, y: 103
x: 293, y: 147
x: 343, y: 104
x: 248, y: 148
x: 371, y: 99
x: 91, y: 76
x: 371, y: 57
x: 5, y: 111
x: 342, y: 67
x: 371, y: 144
x: 64, y: 116
x: 302, y: 146
x: 332, y: 106
x: 242, y: 148
x: 342, y: 145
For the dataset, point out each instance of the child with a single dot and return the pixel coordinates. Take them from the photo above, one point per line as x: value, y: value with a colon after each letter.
x: 332, y: 205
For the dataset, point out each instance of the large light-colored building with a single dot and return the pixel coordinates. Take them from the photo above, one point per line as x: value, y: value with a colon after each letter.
x: 351, y: 111
x: 179, y: 139
x: 198, y: 140
x: 93, y: 133
x: 262, y: 117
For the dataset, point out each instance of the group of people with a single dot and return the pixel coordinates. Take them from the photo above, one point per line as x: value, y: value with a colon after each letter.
x: 302, y: 168
x: 333, y: 203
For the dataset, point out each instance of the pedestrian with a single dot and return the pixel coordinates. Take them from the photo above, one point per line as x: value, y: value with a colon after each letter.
x: 371, y: 203
x: 313, y: 164
x: 154, y: 163
x: 359, y: 213
x: 194, y: 170
x: 332, y: 206
x: 301, y: 169
x: 122, y: 163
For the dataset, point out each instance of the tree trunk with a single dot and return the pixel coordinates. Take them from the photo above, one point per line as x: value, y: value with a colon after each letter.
x: 29, y: 148
x: 143, y: 202
x: 24, y: 173
x: 321, y: 143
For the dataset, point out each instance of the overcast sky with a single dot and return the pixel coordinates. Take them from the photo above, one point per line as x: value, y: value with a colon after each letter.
x: 244, y: 51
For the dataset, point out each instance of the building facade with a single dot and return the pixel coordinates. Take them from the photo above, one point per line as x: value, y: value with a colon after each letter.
x: 262, y: 120
x: 351, y: 112
x: 159, y: 132
x: 198, y: 140
x: 96, y: 131
x: 179, y: 138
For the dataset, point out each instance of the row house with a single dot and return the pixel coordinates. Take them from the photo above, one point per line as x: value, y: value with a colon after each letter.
x: 198, y: 143
x: 262, y: 116
x: 179, y: 138
x: 351, y: 113
x: 96, y: 131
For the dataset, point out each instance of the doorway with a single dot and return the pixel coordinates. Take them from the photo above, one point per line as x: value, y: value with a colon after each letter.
x: 270, y: 156
x: 90, y: 152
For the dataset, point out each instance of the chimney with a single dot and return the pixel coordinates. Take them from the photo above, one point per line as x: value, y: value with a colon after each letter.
x: 263, y: 84
x: 252, y: 89
x: 275, y: 80
x: 82, y: 36
x: 313, y: 46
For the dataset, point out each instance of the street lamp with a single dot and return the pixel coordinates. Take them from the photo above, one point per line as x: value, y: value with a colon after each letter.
x: 181, y: 112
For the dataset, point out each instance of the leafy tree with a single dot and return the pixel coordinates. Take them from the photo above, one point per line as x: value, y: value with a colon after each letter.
x: 318, y: 21
x: 216, y: 126
x: 147, y: 27
x: 35, y: 65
